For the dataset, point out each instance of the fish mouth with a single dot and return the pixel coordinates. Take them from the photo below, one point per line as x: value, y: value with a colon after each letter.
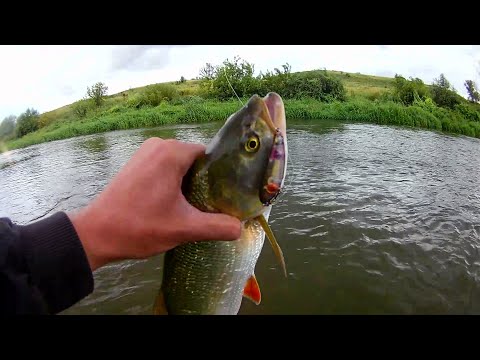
x: 276, y: 113
x: 276, y: 118
x: 271, y: 110
x: 274, y: 176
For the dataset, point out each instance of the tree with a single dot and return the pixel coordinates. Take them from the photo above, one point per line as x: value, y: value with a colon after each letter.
x: 473, y: 94
x: 443, y: 94
x: 234, y: 78
x: 207, y: 72
x: 27, y: 122
x: 442, y: 82
x: 7, y: 127
x: 97, y: 93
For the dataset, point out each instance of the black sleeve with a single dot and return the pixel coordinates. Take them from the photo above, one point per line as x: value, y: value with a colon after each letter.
x: 43, y: 266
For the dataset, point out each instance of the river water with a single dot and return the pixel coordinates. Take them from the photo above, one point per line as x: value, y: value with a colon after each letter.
x: 373, y: 220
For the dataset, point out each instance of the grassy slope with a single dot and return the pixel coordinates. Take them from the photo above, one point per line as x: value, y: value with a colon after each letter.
x: 62, y: 123
x: 356, y: 85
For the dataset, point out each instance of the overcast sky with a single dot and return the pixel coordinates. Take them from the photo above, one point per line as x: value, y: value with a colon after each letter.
x: 48, y: 77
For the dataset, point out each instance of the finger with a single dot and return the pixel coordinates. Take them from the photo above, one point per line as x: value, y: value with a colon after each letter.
x: 186, y: 154
x: 210, y: 226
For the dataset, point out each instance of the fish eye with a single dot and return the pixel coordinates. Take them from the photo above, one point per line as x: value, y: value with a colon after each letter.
x: 252, y: 144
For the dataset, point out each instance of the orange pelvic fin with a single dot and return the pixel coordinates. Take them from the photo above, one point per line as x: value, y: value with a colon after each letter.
x: 252, y: 290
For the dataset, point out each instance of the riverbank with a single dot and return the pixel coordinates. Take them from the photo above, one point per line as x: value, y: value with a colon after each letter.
x: 199, y: 111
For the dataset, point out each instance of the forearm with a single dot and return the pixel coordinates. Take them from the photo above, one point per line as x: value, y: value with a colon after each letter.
x: 45, y: 264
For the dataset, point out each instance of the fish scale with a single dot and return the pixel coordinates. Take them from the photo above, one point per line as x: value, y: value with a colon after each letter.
x: 230, y: 263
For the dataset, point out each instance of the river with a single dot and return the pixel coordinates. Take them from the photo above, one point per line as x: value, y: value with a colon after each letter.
x: 373, y: 219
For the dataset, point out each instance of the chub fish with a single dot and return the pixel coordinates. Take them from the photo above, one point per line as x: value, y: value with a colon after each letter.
x: 241, y: 174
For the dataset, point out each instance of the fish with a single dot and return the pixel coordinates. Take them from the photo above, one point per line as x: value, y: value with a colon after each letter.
x: 241, y: 174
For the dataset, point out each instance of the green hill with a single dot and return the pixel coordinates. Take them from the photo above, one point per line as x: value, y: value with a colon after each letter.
x: 357, y: 85
x: 364, y: 98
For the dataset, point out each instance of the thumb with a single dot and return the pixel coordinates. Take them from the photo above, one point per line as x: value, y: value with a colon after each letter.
x: 214, y: 226
x: 186, y: 153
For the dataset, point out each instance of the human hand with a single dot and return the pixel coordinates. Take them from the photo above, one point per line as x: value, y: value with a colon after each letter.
x: 142, y: 211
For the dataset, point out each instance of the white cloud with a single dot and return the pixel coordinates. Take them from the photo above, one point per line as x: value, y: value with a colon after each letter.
x: 140, y: 57
x: 48, y: 77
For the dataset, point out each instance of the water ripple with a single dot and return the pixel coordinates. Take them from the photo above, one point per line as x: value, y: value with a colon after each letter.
x: 373, y: 219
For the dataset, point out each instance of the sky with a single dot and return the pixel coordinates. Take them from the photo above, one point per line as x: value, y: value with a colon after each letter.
x: 48, y: 77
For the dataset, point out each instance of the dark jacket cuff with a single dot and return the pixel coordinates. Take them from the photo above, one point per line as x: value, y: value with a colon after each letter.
x: 57, y: 261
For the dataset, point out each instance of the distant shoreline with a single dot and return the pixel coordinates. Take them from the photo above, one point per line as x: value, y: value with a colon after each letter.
x: 357, y: 110
x: 309, y: 95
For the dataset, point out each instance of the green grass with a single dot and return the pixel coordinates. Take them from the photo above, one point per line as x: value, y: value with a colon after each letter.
x: 127, y: 118
x: 198, y: 111
x: 361, y: 85
x: 357, y: 85
x: 387, y: 113
x: 366, y: 103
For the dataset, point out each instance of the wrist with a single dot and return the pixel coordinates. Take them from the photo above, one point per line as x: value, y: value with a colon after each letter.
x: 89, y: 232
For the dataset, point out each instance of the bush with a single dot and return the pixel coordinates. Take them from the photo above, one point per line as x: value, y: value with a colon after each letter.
x: 320, y: 86
x: 275, y: 81
x: 27, y: 122
x: 82, y: 107
x: 116, y: 109
x: 235, y: 78
x: 406, y: 91
x: 468, y: 112
x: 45, y: 120
x: 236, y: 75
x: 7, y: 127
x: 153, y: 95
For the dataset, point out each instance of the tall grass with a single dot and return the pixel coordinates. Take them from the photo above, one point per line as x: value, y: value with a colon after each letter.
x: 128, y: 118
x: 197, y: 110
x: 384, y: 113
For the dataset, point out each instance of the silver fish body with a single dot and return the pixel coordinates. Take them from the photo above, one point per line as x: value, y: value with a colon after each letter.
x: 230, y: 263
